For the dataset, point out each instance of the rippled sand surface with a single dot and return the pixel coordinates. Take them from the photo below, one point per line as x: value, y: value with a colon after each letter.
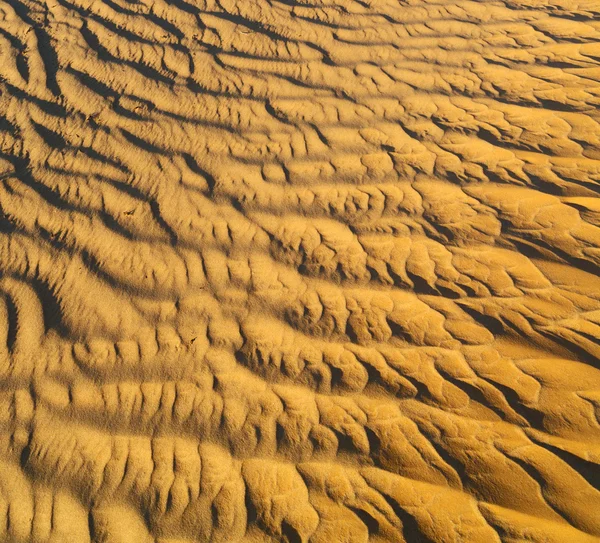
x: 299, y: 270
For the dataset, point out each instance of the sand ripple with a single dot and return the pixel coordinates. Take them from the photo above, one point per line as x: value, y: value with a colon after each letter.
x: 299, y: 270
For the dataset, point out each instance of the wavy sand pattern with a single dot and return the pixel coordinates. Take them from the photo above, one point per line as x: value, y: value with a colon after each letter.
x: 299, y: 270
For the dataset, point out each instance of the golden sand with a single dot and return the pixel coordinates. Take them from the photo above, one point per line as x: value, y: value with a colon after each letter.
x: 299, y: 270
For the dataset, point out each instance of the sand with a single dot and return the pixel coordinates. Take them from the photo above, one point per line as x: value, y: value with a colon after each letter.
x: 299, y: 270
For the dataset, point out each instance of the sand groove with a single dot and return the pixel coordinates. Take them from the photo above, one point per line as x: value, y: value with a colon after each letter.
x: 310, y: 270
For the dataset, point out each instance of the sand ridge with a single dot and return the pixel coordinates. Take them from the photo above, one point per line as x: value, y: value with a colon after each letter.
x: 299, y: 270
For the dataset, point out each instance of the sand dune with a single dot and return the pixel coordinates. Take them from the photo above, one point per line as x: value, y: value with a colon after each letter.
x: 299, y: 270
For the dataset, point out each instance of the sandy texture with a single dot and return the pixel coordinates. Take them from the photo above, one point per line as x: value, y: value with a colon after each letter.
x: 299, y: 270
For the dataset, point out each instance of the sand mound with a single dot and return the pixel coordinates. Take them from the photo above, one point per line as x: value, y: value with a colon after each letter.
x: 299, y: 270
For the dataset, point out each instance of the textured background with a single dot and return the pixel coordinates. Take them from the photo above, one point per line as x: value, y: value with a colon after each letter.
x: 299, y: 270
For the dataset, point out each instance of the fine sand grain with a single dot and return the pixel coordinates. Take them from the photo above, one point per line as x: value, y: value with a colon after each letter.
x: 299, y: 271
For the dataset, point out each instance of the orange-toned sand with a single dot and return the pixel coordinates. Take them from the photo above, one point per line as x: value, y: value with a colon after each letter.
x: 299, y: 270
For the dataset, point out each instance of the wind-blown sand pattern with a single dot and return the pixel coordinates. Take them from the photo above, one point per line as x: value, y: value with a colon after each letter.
x: 299, y: 270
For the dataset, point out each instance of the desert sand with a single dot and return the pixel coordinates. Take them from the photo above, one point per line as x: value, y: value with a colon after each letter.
x: 299, y: 270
